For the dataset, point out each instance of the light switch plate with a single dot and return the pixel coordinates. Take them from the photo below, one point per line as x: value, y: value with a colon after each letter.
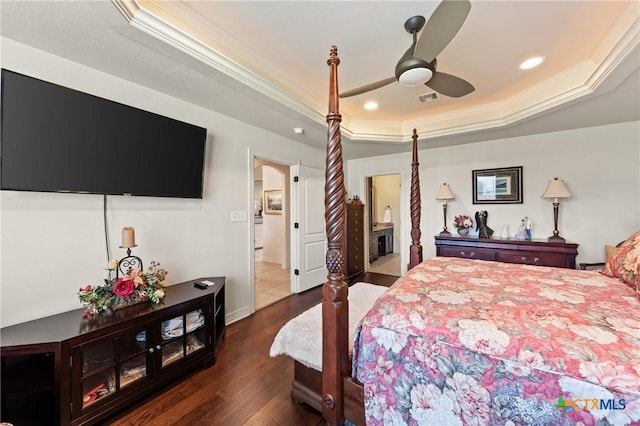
x: 238, y: 216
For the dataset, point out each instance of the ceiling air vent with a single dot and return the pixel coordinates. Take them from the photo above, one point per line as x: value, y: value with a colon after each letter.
x: 428, y: 97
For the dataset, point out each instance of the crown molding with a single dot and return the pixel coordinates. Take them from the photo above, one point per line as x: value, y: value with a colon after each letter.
x: 153, y: 25
x: 570, y: 85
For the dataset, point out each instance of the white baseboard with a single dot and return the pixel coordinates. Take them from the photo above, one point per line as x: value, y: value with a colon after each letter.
x: 237, y: 315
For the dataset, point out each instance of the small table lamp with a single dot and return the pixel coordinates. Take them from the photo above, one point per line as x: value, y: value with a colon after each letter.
x: 444, y: 194
x: 556, y: 189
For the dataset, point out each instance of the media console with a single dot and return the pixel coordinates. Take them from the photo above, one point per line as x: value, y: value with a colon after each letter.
x: 69, y: 370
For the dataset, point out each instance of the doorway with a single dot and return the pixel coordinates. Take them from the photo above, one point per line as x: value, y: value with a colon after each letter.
x: 271, y: 233
x: 383, y: 200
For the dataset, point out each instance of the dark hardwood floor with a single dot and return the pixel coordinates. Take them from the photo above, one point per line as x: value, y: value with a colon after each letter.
x: 245, y: 386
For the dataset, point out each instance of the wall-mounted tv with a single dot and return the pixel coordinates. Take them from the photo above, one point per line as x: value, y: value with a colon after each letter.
x: 55, y: 139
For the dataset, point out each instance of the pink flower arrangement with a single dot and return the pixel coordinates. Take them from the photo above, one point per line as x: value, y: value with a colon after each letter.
x: 135, y: 285
x: 126, y: 285
x: 462, y: 221
x: 123, y: 287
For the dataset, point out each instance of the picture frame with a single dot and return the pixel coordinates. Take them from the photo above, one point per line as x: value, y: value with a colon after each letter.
x: 273, y: 201
x: 497, y: 186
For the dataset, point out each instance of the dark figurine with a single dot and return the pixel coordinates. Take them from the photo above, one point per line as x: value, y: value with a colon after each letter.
x: 481, y: 224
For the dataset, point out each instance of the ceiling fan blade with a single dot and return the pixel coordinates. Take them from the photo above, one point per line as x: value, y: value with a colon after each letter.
x: 442, y: 26
x: 450, y: 85
x: 367, y: 88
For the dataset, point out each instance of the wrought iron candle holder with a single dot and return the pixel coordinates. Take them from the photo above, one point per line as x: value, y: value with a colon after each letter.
x: 128, y: 263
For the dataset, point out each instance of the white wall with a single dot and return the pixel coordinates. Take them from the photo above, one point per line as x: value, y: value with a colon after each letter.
x: 600, y: 166
x: 54, y: 243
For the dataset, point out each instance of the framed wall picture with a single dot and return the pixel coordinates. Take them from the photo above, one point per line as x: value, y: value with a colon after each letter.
x: 497, y: 186
x: 273, y: 201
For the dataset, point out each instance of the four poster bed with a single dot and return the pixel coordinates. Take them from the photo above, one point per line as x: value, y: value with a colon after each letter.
x: 458, y: 341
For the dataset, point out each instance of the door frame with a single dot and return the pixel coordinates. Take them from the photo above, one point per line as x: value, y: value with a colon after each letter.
x: 251, y: 255
x: 405, y: 218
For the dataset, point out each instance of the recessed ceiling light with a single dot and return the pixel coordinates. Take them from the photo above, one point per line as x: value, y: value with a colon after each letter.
x: 371, y: 105
x: 531, y: 63
x: 298, y: 130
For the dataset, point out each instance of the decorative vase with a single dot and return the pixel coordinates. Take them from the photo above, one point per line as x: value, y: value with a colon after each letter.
x: 463, y: 232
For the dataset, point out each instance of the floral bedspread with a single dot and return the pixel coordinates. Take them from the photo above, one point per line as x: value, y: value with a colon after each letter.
x: 471, y: 342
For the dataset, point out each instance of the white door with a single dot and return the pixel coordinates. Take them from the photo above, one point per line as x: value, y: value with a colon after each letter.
x: 308, y: 236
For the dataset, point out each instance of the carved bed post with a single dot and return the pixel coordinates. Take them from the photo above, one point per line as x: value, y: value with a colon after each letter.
x: 335, y: 306
x: 415, y: 250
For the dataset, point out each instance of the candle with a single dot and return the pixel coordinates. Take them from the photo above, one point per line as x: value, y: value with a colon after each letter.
x: 128, y: 237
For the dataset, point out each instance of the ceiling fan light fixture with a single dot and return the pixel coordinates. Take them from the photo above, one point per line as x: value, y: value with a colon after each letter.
x: 415, y: 77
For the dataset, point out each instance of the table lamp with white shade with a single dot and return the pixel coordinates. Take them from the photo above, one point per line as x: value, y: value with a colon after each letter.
x: 556, y: 189
x: 444, y: 194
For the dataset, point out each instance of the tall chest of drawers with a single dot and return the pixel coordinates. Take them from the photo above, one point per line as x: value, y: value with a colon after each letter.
x: 354, y: 245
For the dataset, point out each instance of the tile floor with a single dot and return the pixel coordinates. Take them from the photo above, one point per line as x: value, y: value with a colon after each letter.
x: 389, y: 264
x: 272, y: 282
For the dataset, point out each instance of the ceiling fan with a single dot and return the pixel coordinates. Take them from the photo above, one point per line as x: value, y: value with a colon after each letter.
x: 418, y: 64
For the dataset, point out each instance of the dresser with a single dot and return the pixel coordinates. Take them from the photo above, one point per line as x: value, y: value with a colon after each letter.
x: 354, y: 242
x: 535, y: 252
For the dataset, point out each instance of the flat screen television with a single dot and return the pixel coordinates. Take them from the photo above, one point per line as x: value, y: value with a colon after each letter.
x: 55, y: 139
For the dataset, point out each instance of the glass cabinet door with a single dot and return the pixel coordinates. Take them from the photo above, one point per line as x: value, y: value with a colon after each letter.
x: 132, y: 357
x: 109, y: 365
x: 182, y: 335
x: 98, y: 372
